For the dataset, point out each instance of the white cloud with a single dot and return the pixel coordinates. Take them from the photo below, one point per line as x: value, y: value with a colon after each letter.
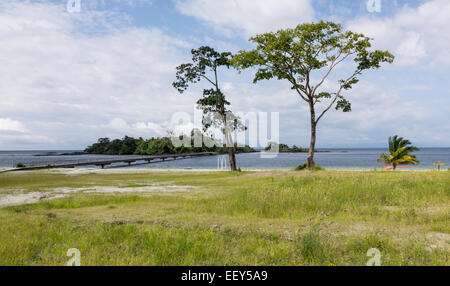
x: 102, y: 4
x: 379, y: 112
x: 68, y: 79
x: 227, y: 86
x: 118, y: 123
x: 140, y: 129
x: 63, y: 74
x: 248, y: 17
x: 7, y: 124
x: 415, y: 35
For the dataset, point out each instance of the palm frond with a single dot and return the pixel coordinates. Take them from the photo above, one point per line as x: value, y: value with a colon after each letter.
x: 399, y: 152
x: 408, y: 159
x: 384, y: 158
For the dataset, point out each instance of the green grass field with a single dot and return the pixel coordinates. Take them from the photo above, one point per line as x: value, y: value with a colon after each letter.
x: 220, y: 218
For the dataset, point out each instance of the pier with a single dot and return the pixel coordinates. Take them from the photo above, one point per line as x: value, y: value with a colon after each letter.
x: 102, y: 163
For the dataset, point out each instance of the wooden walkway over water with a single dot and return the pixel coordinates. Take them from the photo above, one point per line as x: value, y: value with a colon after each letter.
x: 102, y: 163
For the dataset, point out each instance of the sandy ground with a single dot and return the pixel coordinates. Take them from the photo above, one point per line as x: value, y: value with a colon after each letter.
x: 18, y: 197
x: 27, y: 198
x: 80, y: 171
x: 125, y: 170
x: 106, y: 189
x: 35, y: 197
x: 438, y: 240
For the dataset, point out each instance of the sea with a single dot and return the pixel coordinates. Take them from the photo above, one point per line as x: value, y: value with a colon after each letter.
x: 333, y: 159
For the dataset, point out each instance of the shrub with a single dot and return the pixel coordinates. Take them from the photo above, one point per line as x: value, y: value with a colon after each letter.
x: 303, y: 167
x: 20, y: 165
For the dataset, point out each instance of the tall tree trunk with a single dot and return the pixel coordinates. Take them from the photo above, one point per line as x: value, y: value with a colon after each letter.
x: 229, y: 144
x: 232, y: 157
x: 231, y: 150
x: 310, y: 159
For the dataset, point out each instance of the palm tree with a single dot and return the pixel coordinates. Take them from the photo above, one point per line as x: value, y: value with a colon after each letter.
x: 399, y: 153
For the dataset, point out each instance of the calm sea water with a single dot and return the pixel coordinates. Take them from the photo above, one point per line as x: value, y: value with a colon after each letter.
x: 348, y: 159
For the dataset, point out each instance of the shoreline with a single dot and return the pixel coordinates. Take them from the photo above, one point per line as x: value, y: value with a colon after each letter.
x: 126, y: 170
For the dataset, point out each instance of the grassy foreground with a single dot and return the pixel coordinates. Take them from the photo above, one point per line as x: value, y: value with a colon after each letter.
x: 220, y: 218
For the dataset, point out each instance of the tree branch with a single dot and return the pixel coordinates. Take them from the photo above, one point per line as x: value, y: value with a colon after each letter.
x: 329, y: 106
x: 337, y: 94
x: 205, y: 77
x: 291, y: 80
x: 334, y: 63
x: 300, y: 92
x: 215, y: 75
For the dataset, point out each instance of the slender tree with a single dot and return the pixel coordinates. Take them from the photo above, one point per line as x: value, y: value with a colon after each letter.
x: 312, y: 50
x: 205, y: 66
x: 399, y: 153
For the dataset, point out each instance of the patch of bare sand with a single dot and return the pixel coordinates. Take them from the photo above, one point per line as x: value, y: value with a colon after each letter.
x: 80, y: 171
x: 125, y: 170
x: 27, y: 198
x: 55, y: 193
x: 431, y: 240
x: 425, y: 210
x: 109, y: 189
x: 437, y: 240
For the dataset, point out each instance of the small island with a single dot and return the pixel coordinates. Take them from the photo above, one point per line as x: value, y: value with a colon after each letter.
x: 284, y: 148
x: 161, y: 145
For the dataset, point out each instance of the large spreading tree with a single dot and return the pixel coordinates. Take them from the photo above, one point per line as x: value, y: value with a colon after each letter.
x: 205, y: 66
x: 311, y: 52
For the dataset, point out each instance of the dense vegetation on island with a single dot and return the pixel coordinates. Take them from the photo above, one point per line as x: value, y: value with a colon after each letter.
x: 284, y: 148
x: 156, y: 146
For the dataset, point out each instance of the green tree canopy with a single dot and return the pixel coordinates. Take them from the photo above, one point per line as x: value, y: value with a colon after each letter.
x: 308, y: 51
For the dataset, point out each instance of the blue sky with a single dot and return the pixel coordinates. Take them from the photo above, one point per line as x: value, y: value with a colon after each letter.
x: 68, y: 78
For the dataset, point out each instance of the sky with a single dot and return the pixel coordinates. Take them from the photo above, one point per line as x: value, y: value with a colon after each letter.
x: 68, y: 77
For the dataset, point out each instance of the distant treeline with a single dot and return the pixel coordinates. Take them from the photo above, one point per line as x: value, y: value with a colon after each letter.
x: 154, y: 146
